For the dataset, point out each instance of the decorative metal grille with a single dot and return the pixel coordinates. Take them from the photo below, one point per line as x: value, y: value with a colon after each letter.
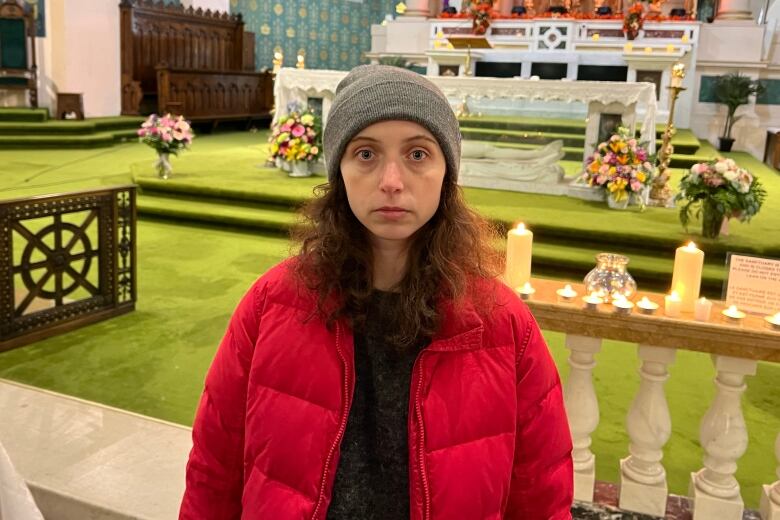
x: 65, y: 261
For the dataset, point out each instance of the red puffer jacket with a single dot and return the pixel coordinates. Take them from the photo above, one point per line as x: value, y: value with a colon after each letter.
x: 488, y: 435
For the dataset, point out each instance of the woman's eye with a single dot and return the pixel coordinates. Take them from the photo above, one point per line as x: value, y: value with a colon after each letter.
x: 365, y: 155
x: 418, y: 155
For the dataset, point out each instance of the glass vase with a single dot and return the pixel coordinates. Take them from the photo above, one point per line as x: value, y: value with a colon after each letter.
x: 711, y: 220
x: 610, y: 277
x: 163, y: 165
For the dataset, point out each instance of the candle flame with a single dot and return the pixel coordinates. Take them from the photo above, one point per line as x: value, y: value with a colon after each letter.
x: 520, y: 227
x: 732, y: 309
x: 527, y: 287
x: 567, y: 288
x: 691, y: 245
x: 644, y: 300
x: 776, y: 318
x: 703, y: 299
x: 674, y: 296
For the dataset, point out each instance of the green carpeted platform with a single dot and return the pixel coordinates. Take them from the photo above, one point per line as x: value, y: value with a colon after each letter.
x: 31, y: 129
x: 190, y: 278
x: 34, y: 115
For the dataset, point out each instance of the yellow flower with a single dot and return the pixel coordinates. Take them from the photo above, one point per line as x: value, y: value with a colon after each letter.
x: 641, y: 176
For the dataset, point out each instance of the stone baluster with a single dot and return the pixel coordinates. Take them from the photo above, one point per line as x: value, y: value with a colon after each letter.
x: 582, y: 408
x: 643, y: 485
x: 770, y: 495
x: 724, y: 437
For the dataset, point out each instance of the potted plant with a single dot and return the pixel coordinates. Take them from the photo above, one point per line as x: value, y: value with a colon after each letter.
x: 296, y: 142
x: 719, y: 189
x: 733, y: 90
x: 622, y: 168
x: 167, y: 135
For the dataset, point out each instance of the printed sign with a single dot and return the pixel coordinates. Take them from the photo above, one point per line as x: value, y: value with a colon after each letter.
x: 753, y: 283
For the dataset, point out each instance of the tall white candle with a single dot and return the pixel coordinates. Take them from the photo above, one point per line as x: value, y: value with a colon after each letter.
x: 686, y: 278
x: 518, y: 256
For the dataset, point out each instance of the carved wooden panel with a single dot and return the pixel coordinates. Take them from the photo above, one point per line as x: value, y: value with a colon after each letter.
x: 65, y: 261
x: 216, y: 95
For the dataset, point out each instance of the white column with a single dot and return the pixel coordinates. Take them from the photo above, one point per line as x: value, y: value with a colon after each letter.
x: 734, y: 10
x: 642, y: 477
x: 724, y: 437
x: 770, y: 495
x: 582, y: 409
x: 417, y: 8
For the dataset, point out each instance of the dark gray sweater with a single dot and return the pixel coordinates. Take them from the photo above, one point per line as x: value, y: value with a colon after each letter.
x: 372, y: 478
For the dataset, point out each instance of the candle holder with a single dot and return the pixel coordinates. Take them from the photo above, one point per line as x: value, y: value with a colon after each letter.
x: 566, y: 295
x: 592, y: 302
x: 773, y: 322
x: 622, y: 306
x: 610, y: 278
x: 672, y: 305
x: 702, y: 309
x: 660, y: 192
x: 526, y: 291
x: 733, y: 315
x: 645, y: 306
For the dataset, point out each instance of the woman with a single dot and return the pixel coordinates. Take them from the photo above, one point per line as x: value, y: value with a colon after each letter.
x: 383, y: 372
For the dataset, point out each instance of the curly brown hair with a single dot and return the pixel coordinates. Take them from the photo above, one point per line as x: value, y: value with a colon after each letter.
x: 447, y: 258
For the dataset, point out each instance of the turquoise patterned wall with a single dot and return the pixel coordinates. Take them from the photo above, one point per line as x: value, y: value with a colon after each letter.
x: 333, y: 33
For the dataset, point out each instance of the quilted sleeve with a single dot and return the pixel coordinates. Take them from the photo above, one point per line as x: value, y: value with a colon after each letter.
x: 214, y: 478
x: 542, y: 484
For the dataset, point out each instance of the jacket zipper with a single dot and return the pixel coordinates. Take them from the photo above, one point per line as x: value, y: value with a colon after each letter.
x: 342, y: 426
x: 421, y: 444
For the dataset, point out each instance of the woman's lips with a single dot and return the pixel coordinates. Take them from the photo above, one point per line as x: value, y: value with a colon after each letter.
x: 392, y: 213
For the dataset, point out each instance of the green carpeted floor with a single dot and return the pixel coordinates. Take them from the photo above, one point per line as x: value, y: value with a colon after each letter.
x: 153, y: 361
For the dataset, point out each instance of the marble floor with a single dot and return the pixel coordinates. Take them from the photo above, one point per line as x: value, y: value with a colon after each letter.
x: 83, y: 460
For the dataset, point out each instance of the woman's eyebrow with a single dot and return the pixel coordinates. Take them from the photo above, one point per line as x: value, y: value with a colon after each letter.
x: 420, y: 136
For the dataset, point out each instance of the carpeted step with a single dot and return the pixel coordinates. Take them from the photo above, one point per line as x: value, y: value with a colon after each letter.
x: 70, y: 127
x: 94, y: 140
x: 31, y: 115
x: 215, y: 194
x: 216, y: 212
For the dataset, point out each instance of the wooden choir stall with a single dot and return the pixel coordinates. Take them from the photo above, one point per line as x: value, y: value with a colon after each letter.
x: 187, y: 61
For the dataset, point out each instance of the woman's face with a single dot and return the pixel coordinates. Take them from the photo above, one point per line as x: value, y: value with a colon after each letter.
x: 393, y: 172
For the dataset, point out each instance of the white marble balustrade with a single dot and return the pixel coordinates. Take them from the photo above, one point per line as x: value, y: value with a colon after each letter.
x: 723, y: 435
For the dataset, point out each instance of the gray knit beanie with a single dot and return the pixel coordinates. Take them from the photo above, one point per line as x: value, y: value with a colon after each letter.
x: 373, y: 93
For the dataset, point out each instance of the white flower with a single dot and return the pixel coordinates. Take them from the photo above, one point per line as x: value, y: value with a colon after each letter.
x: 721, y: 167
x: 730, y: 175
x: 731, y: 164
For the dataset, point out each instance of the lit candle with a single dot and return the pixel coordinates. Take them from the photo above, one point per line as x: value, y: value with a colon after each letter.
x: 773, y: 321
x: 684, y: 38
x: 733, y: 315
x: 686, y: 277
x: 648, y: 50
x: 518, y: 255
x: 670, y: 48
x: 567, y: 294
x: 592, y: 301
x: 629, y: 47
x: 702, y: 309
x: 672, y: 304
x: 526, y: 291
x: 622, y: 305
x: 595, y: 37
x: 646, y: 306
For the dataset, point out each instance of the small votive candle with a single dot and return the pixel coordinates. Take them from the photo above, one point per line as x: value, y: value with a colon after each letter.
x: 773, y: 321
x: 733, y: 315
x: 592, y: 301
x: 645, y: 306
x: 684, y: 38
x: 567, y: 294
x: 629, y: 47
x: 648, y: 50
x: 670, y: 48
x: 702, y: 309
x: 622, y: 305
x: 596, y: 37
x: 672, y: 305
x: 526, y: 291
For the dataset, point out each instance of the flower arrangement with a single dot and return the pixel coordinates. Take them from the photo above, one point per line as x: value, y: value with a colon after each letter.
x: 297, y: 137
x: 621, y: 167
x: 167, y: 135
x: 634, y: 20
x: 719, y: 189
x: 481, y: 12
